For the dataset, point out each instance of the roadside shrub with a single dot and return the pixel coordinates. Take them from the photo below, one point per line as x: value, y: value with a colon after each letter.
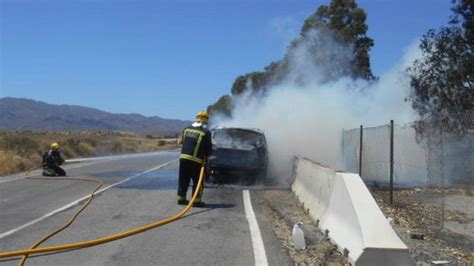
x: 17, y: 144
x: 67, y: 152
x: 90, y: 141
x: 72, y: 142
x: 11, y: 163
x: 117, y: 146
x: 84, y: 149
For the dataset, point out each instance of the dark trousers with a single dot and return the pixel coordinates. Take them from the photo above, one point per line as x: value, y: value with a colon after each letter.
x: 58, y: 170
x: 188, y: 170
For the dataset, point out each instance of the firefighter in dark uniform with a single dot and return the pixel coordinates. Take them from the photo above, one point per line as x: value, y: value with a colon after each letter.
x: 196, y: 148
x: 52, y: 160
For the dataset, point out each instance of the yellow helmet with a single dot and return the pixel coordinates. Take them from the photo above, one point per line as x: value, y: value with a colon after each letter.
x: 202, y: 116
x: 54, y: 146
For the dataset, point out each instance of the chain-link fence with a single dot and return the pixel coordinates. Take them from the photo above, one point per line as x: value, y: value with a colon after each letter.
x: 443, y: 162
x: 432, y: 179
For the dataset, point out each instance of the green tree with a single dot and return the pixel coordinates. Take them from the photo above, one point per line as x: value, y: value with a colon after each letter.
x: 253, y: 81
x: 223, y: 106
x: 442, y: 80
x: 347, y: 21
x: 344, y: 21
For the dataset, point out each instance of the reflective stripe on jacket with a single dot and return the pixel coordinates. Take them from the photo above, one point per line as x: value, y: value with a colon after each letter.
x: 196, y: 144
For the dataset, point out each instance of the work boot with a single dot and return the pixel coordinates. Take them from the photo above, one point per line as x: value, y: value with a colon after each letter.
x: 182, y: 200
x: 199, y: 204
x: 49, y: 172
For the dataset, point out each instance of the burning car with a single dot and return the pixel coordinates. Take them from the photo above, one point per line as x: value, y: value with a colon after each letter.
x: 238, y: 155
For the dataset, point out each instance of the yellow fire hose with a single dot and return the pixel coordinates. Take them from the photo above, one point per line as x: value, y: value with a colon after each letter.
x: 110, y: 238
x: 71, y: 220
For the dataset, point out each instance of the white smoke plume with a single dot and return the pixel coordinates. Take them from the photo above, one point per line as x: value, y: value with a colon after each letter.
x: 304, y: 114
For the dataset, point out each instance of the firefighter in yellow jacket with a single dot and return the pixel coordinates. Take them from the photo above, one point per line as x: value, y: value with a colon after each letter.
x: 196, y: 148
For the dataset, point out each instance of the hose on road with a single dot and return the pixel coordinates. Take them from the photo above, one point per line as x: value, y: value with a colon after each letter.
x: 73, y: 218
x: 114, y: 237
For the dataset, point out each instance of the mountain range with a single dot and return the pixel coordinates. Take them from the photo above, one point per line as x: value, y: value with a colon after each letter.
x: 27, y: 114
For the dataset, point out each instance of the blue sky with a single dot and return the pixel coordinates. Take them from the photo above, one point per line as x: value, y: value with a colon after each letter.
x: 171, y: 58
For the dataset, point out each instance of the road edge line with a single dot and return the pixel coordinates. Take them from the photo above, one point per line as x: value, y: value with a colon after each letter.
x: 257, y: 242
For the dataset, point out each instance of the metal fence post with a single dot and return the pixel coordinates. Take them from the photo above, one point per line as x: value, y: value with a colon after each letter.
x: 360, y: 150
x: 391, y: 162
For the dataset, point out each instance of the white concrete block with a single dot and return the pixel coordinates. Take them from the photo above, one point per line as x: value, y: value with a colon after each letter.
x: 345, y: 207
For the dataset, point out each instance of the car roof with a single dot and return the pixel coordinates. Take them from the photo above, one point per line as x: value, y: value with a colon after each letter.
x: 256, y: 130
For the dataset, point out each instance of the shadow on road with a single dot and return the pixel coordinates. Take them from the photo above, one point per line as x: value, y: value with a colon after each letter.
x: 219, y: 206
x: 210, y: 207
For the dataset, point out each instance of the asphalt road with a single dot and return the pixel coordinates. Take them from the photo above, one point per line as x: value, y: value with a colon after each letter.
x: 219, y: 234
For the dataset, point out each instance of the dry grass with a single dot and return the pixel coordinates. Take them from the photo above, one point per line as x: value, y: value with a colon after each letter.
x: 422, y: 211
x: 21, y: 151
x: 12, y: 163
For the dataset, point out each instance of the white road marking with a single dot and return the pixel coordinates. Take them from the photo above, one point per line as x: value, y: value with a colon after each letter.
x: 257, y: 243
x: 118, y: 157
x: 38, y: 172
x: 76, y: 202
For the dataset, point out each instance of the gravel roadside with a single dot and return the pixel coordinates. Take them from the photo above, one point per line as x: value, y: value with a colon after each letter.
x: 436, y: 225
x: 283, y: 210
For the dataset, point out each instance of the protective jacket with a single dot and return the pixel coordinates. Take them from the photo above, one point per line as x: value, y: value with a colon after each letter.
x: 52, y: 158
x: 196, y: 143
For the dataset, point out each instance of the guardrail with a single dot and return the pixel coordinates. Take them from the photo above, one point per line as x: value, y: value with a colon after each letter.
x: 344, y: 206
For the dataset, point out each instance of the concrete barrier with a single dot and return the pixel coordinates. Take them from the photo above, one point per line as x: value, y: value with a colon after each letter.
x: 344, y: 206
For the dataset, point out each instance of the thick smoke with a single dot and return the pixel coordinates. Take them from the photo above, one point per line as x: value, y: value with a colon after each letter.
x: 305, y: 112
